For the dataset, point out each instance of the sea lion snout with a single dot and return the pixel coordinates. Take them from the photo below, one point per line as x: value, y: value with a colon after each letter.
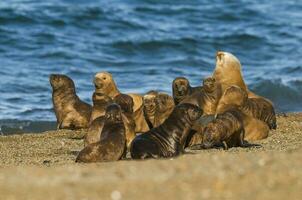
x: 219, y: 56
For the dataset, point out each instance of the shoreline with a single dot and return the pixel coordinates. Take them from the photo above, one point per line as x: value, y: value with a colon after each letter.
x: 37, y: 165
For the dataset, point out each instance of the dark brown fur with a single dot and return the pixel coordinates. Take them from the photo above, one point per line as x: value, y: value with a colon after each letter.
x: 226, y: 130
x: 169, y: 138
x: 112, y: 144
x: 181, y: 89
x: 71, y: 112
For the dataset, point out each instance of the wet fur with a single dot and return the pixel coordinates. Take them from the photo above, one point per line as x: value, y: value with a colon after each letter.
x: 166, y: 140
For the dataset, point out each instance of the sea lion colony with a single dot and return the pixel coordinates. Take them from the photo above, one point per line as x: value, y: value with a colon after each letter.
x: 220, y: 113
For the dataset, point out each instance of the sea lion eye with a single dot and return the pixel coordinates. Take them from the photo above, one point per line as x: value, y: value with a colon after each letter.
x: 104, y: 78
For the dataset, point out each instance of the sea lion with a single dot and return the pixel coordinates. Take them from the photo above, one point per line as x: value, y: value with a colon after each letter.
x: 226, y: 130
x: 166, y: 140
x: 94, y: 131
x: 181, y: 88
x: 150, y: 107
x: 234, y: 96
x: 71, y: 112
x: 164, y: 107
x: 126, y: 104
x: 112, y: 144
x: 228, y: 72
x: 100, y: 103
x: 259, y: 108
x: 105, y: 84
x: 207, y: 98
x: 157, y: 107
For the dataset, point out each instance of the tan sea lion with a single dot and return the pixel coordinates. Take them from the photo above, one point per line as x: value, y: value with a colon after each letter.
x: 112, y: 144
x: 150, y: 107
x: 181, y: 88
x: 234, y: 96
x: 100, y: 103
x: 139, y: 118
x: 126, y: 104
x: 168, y: 139
x: 259, y: 108
x: 71, y: 112
x: 207, y: 98
x: 105, y: 84
x: 228, y: 72
x: 164, y: 107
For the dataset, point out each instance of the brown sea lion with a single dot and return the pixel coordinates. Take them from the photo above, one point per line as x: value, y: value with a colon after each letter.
x: 226, y: 130
x: 71, y: 112
x: 94, y: 131
x: 207, y: 98
x: 181, y: 88
x: 228, y: 72
x: 112, y: 144
x: 150, y: 107
x: 126, y: 104
x: 105, y: 84
x: 166, y: 140
x: 259, y: 108
x: 234, y: 96
x: 100, y: 103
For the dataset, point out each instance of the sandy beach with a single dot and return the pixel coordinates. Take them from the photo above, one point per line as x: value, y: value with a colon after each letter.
x: 41, y: 166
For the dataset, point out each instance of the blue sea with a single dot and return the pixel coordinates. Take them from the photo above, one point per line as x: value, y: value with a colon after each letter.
x: 145, y: 44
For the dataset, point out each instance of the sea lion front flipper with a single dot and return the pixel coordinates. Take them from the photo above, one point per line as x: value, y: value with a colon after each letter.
x: 225, y: 145
x: 246, y: 144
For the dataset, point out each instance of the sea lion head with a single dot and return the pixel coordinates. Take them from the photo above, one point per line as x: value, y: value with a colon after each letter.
x: 113, y: 113
x: 61, y: 81
x: 125, y: 102
x: 232, y: 96
x: 227, y: 60
x: 211, y: 135
x: 100, y: 98
x: 180, y: 87
x: 164, y: 102
x: 150, y: 101
x: 104, y: 83
x: 228, y: 70
x: 209, y: 84
x: 189, y: 111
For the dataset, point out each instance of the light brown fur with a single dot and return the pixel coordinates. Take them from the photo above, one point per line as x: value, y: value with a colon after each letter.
x: 255, y: 129
x: 71, y: 112
x: 104, y: 83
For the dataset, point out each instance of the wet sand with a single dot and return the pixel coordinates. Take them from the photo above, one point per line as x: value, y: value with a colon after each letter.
x: 41, y: 166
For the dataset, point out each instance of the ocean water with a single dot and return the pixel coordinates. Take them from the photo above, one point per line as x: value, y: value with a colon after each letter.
x: 145, y: 44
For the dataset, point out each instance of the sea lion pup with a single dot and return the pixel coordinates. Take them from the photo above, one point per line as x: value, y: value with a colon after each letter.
x: 150, y: 107
x: 94, y: 131
x: 100, y: 103
x: 258, y: 108
x: 166, y: 140
x: 71, y: 112
x: 234, y: 96
x: 228, y: 72
x: 105, y: 84
x: 112, y: 144
x: 207, y: 98
x: 226, y: 130
x: 126, y: 104
x: 164, y: 107
x: 181, y: 88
